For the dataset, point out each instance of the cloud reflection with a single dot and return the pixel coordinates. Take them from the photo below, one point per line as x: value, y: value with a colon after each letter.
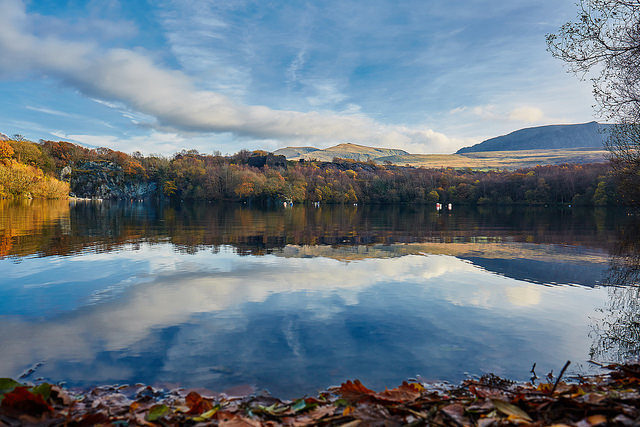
x: 217, y: 319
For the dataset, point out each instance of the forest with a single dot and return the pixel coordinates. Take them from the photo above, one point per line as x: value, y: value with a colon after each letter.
x: 264, y: 178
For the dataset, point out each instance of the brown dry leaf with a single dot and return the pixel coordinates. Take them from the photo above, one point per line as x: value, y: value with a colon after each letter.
x: 354, y: 390
x: 371, y: 413
x: 487, y: 422
x: 197, y: 404
x: 227, y: 419
x: 592, y: 398
x: 482, y: 406
x: 93, y: 419
x: 60, y: 395
x: 405, y: 393
x: 596, y: 420
x: 455, y: 412
x: 511, y: 410
x: 623, y: 420
x: 310, y: 417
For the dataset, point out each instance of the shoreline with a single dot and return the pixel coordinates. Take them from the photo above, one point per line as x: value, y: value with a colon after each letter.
x: 609, y: 398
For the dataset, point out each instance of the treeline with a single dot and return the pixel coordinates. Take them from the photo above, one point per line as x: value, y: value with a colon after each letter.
x: 262, y: 177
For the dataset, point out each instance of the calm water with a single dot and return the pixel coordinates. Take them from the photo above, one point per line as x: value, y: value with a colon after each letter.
x: 294, y: 300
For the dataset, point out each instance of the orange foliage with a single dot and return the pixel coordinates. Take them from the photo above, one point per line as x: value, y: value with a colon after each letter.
x: 6, y: 151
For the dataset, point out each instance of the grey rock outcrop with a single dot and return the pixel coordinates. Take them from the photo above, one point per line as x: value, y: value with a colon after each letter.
x: 106, y: 180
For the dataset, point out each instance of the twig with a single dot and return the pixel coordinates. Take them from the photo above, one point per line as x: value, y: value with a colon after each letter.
x: 566, y: 365
x: 30, y: 371
x: 534, y: 377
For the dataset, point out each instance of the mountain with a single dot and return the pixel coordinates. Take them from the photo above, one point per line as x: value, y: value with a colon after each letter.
x: 568, y: 137
x: 4, y: 137
x: 294, y: 152
x: 345, y: 151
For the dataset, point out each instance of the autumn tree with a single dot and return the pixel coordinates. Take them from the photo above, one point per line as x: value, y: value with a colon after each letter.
x: 604, y: 44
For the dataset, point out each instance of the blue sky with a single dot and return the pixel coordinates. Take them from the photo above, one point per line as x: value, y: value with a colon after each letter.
x: 159, y: 76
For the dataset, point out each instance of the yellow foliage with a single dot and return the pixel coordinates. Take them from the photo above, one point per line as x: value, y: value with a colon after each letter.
x: 19, y: 180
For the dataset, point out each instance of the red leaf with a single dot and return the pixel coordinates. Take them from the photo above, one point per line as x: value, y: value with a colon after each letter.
x: 22, y: 401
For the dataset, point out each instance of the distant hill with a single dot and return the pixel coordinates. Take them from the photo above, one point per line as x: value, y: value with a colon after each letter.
x: 294, y: 152
x: 360, y: 153
x: 482, y: 159
x: 567, y: 137
x: 4, y: 137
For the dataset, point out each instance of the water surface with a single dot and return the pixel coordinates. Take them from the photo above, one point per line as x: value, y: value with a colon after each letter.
x: 294, y: 300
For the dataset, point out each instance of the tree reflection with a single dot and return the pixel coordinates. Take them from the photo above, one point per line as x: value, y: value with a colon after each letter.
x: 617, y: 332
x: 57, y: 228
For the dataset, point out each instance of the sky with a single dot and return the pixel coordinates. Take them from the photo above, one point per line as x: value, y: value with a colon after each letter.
x: 163, y: 75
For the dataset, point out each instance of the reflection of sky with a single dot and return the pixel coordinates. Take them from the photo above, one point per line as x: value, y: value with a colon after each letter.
x: 219, y: 319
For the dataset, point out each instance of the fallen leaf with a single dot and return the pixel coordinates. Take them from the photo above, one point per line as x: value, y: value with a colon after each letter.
x: 274, y: 409
x: 156, y: 412
x: 95, y: 418
x: 206, y: 415
x: 354, y: 390
x: 455, y: 411
x: 22, y: 401
x: 314, y: 415
x: 592, y: 398
x: 405, y: 393
x: 58, y: 395
x: 226, y: 419
x: 43, y: 390
x: 510, y: 410
x: 197, y: 404
x: 348, y: 410
x: 596, y: 420
x: 7, y: 385
x: 299, y: 405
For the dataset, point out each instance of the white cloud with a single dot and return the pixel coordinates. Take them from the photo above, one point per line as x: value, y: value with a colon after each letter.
x: 527, y: 114
x: 50, y: 111
x: 172, y: 98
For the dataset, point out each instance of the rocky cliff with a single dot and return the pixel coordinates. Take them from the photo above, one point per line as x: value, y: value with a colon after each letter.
x: 106, y: 180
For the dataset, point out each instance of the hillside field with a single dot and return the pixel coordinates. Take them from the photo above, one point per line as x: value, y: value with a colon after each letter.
x: 508, y: 160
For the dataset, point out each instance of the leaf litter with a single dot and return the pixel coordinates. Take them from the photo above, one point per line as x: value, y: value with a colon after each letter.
x: 610, y: 398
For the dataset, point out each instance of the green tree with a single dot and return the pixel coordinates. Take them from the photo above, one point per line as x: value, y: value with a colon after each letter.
x: 600, y: 195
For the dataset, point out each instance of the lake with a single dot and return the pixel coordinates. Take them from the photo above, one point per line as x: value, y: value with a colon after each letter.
x: 292, y: 300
